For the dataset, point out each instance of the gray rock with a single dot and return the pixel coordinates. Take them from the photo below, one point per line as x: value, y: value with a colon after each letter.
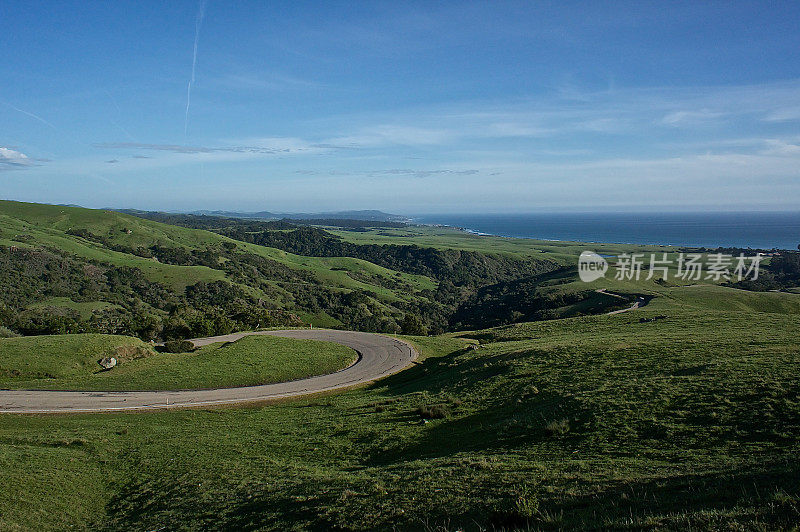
x: 107, y: 362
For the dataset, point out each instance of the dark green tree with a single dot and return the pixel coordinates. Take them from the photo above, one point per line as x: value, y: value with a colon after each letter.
x: 413, y: 325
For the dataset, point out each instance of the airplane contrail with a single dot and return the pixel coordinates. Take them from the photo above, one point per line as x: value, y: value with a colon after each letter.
x: 198, y: 23
x: 39, y: 118
x: 119, y: 111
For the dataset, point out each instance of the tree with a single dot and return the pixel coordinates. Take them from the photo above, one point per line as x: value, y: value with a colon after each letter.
x: 413, y: 325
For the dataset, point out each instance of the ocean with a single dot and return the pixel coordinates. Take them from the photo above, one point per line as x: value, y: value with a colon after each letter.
x: 751, y: 229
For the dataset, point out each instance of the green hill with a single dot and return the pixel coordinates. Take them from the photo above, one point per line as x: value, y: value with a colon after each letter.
x: 683, y: 414
x: 69, y: 362
x: 70, y: 241
x: 159, y: 276
x: 602, y: 422
x: 37, y: 360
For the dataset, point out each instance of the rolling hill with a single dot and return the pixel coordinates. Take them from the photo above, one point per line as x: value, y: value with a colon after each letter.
x: 600, y: 422
x: 682, y: 414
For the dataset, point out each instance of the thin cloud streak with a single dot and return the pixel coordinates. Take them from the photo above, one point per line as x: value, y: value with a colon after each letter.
x: 286, y: 147
x: 198, y: 24
x: 269, y: 81
x: 408, y: 172
x: 36, y: 117
x: 119, y: 112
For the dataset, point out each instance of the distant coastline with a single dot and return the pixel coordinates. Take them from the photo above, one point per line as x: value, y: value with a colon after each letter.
x: 711, y: 230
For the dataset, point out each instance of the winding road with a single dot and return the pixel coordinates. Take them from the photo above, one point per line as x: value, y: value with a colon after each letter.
x: 639, y: 303
x: 379, y: 356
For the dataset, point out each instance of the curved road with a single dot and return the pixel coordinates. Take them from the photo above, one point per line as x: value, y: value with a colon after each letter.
x: 379, y: 356
x: 639, y: 303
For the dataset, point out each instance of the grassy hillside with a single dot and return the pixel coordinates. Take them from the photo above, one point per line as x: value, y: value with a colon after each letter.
x: 172, y: 259
x: 500, y: 294
x: 84, y: 308
x: 33, y: 224
x: 81, y: 270
x: 43, y: 359
x: 724, y: 298
x: 684, y: 414
x: 69, y: 362
x: 689, y: 421
x: 453, y: 238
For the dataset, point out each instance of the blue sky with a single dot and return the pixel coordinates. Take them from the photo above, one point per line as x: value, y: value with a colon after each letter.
x: 408, y: 107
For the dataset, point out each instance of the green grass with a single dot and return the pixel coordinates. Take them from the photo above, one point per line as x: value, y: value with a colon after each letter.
x: 42, y: 359
x: 565, y: 252
x: 119, y: 228
x: 45, y: 225
x: 692, y: 421
x: 70, y: 363
x: 85, y: 309
x: 350, y: 273
x: 723, y: 298
x: 38, y: 232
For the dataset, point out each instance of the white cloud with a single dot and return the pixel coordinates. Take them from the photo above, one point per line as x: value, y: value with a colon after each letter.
x: 781, y: 147
x: 516, y: 129
x: 783, y: 114
x: 406, y: 172
x: 12, y: 159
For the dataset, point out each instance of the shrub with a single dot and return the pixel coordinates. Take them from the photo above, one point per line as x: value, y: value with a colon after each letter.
x: 178, y: 346
x: 516, y: 511
x: 432, y: 412
x: 557, y: 428
x: 124, y: 353
x: 5, y: 332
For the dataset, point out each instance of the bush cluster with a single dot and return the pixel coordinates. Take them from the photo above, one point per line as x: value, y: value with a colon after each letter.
x: 178, y: 346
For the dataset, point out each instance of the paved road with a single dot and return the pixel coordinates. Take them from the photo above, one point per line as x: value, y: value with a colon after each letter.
x: 639, y: 303
x: 636, y: 304
x: 379, y: 356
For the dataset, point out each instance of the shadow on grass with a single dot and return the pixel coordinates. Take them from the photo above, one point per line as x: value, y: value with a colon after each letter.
x: 436, y: 373
x: 516, y: 417
x: 168, y: 503
x: 763, y: 497
x: 508, y: 423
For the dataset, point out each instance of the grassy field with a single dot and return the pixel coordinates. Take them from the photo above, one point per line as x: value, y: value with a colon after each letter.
x: 69, y: 362
x: 59, y: 357
x: 85, y: 308
x: 689, y: 421
x: 453, y: 238
x: 684, y: 414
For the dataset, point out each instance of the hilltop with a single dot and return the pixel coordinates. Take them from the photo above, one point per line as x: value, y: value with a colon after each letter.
x: 362, y: 215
